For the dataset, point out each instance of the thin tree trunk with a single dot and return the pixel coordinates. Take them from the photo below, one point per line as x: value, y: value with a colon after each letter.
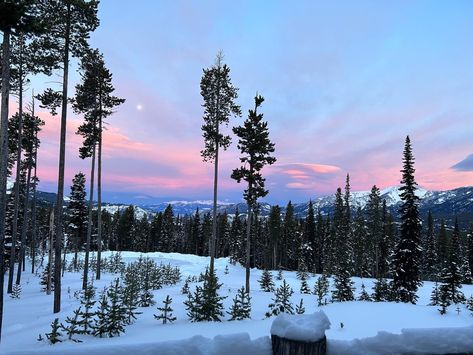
x: 89, y: 222
x: 33, y: 217
x: 214, y: 210
x: 16, y: 206
x: 99, y: 197
x: 4, y: 159
x: 248, y: 245
x: 62, y: 161
x: 24, y: 226
x: 50, y: 252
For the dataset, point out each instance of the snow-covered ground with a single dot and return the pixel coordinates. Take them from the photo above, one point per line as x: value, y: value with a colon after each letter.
x: 31, y: 315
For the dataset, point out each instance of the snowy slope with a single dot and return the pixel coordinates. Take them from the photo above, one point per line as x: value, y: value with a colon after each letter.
x: 32, y: 314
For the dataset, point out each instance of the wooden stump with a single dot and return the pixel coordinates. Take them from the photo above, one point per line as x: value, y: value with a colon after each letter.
x: 283, y: 346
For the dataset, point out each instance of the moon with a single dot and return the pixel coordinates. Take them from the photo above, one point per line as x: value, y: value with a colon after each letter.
x: 139, y: 107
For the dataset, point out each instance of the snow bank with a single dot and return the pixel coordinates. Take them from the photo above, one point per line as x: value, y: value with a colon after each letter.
x: 235, y: 344
x: 430, y: 341
x: 305, y: 327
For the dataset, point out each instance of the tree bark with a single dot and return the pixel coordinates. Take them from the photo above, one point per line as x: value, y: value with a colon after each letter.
x: 4, y: 159
x: 24, y: 226
x: 99, y: 196
x: 16, y: 205
x: 62, y: 162
x: 214, y: 209
x: 248, y: 246
x: 89, y: 222
x: 33, y: 217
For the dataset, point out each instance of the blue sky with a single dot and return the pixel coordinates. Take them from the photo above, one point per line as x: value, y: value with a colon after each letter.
x: 344, y: 83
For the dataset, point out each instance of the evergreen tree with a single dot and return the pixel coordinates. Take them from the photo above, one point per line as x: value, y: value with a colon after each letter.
x: 281, y: 301
x: 304, y: 285
x: 450, y: 289
x: 469, y: 250
x: 374, y: 232
x: 55, y: 335
x: 219, y: 97
x: 469, y: 304
x: 343, y: 286
x: 16, y: 291
x: 381, y: 290
x: 166, y: 311
x: 73, y: 326
x: 131, y: 293
x: 364, y: 296
x: 117, y: 316
x: 274, y: 226
x: 321, y: 289
x: 309, y: 237
x: 256, y: 149
x: 442, y: 247
x: 86, y: 315
x: 185, y: 288
x: 146, y: 295
x: 360, y: 245
x: 205, y: 304
x: 266, y: 281
x: 300, y: 309
x: 429, y: 257
x: 101, y: 322
x: 77, y: 214
x: 241, y: 307
x: 434, y: 297
x: 407, y: 256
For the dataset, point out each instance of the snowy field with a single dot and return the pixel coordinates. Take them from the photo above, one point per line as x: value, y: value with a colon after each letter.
x: 27, y: 317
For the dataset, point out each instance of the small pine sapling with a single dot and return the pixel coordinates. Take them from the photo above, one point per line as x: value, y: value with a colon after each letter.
x: 101, y: 323
x: 281, y: 301
x: 266, y: 281
x: 364, y: 296
x: 300, y: 309
x: 16, y: 291
x: 55, y: 335
x: 434, y: 297
x: 166, y: 311
x: 226, y: 271
x: 241, y: 307
x: 321, y: 289
x: 279, y: 276
x: 469, y: 304
x: 185, y: 288
x: 86, y: 317
x: 73, y: 326
x: 304, y: 286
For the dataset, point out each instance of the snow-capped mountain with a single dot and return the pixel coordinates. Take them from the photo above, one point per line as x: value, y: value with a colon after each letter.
x: 185, y: 207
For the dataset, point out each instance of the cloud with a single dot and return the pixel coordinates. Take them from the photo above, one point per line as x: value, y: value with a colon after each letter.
x: 464, y: 165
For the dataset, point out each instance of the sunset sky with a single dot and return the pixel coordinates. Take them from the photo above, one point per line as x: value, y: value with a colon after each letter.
x: 344, y: 83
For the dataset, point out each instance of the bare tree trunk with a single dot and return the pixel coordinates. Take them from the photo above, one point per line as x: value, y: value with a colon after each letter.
x: 89, y: 223
x: 50, y: 252
x: 214, y: 211
x: 99, y: 198
x: 62, y: 162
x: 33, y: 218
x: 16, y: 206
x: 4, y: 159
x: 248, y: 245
x: 24, y: 226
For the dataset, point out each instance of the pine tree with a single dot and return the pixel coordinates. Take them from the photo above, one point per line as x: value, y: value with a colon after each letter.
x: 77, y: 214
x: 205, y: 304
x: 279, y: 276
x: 166, y: 311
x: 364, y: 296
x: 101, y: 322
x: 256, y: 149
x: 131, y: 294
x: 146, y: 295
x: 86, y: 316
x: 266, y: 281
x: 16, y: 291
x: 185, y: 288
x: 321, y: 289
x: 407, y: 256
x: 469, y: 304
x: 343, y: 285
x: 55, y: 335
x: 429, y: 256
x: 304, y: 285
x: 117, y: 316
x: 434, y: 297
x: 241, y: 307
x: 300, y: 309
x: 449, y: 291
x: 281, y: 301
x: 381, y: 290
x: 219, y: 97
x: 375, y: 236
x: 73, y: 326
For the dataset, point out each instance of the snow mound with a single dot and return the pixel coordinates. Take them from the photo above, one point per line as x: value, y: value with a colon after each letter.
x: 424, y: 341
x: 306, y: 327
